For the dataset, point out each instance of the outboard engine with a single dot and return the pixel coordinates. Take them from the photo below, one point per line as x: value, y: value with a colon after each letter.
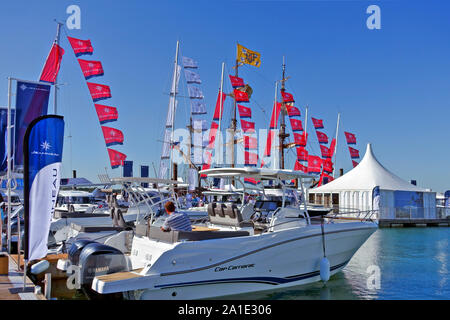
x: 97, y: 259
x: 75, y: 250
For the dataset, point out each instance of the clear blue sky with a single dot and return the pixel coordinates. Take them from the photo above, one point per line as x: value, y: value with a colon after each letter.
x: 391, y: 86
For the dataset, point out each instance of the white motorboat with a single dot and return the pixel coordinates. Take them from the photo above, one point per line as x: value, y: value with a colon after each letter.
x: 225, y: 256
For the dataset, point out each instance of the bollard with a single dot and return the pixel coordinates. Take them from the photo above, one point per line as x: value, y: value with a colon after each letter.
x: 48, y: 286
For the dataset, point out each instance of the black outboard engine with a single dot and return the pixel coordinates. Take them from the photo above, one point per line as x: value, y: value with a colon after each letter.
x: 75, y: 250
x: 97, y: 259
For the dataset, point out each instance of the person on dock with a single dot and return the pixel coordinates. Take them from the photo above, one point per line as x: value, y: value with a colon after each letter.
x: 175, y: 221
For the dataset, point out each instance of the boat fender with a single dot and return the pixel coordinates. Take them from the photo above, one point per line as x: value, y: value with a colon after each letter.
x: 324, y: 269
x: 40, y: 267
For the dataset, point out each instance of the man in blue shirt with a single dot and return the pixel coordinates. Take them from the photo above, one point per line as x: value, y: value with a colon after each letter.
x: 175, y: 221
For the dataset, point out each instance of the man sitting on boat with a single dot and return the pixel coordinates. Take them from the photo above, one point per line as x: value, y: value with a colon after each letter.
x: 175, y: 221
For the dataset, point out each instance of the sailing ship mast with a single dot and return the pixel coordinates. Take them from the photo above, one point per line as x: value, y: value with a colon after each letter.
x: 283, y: 135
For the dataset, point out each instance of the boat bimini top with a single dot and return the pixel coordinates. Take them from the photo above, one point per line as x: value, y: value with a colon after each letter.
x: 278, y: 176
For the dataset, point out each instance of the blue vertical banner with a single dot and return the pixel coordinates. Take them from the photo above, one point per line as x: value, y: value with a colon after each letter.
x: 128, y: 168
x: 4, y: 137
x: 144, y: 174
x: 42, y: 149
x: 31, y: 103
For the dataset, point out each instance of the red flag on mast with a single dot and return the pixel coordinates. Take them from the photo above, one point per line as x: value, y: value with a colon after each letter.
x: 91, y: 68
x: 81, y: 47
x: 112, y: 136
x: 99, y: 91
x: 116, y: 158
x: 106, y: 113
x: 52, y: 64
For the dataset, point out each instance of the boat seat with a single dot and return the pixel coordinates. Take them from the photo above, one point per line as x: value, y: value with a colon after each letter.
x: 176, y: 236
x: 228, y: 215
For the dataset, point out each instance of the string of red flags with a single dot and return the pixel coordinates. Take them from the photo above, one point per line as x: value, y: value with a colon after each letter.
x: 217, y: 116
x: 354, y: 153
x: 52, y: 64
x: 98, y: 92
x: 326, y: 152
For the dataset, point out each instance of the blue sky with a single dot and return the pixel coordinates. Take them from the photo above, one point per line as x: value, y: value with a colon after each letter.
x: 391, y: 86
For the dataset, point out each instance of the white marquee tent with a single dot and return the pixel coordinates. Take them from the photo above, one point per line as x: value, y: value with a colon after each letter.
x: 355, y: 191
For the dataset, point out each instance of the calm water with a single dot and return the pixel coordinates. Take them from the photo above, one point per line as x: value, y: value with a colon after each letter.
x: 414, y: 263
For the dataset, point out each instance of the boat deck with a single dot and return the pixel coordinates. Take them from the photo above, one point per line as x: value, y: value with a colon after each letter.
x: 118, y: 276
x: 11, y: 284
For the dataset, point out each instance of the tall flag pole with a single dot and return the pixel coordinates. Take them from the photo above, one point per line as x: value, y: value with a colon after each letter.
x: 58, y: 32
x: 335, y: 147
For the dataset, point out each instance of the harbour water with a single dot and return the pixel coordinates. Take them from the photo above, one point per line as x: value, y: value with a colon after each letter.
x: 414, y: 263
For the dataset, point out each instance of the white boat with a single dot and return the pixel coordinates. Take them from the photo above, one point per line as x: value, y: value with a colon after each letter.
x: 75, y: 201
x: 225, y: 256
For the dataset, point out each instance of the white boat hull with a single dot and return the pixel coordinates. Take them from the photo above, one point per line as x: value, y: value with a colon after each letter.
x: 224, y: 267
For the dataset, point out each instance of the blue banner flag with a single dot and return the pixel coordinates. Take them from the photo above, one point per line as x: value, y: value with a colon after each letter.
x: 128, y: 168
x: 144, y: 174
x: 31, y: 103
x: 4, y: 137
x: 43, y: 147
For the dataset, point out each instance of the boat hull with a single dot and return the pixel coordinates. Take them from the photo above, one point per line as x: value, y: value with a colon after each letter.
x: 226, y: 267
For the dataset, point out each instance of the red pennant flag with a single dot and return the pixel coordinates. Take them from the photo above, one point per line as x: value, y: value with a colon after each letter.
x: 218, y: 112
x: 247, y: 126
x: 81, y: 47
x: 91, y: 68
x: 250, y: 143
x: 314, y: 164
x: 324, y: 179
x: 240, y: 96
x: 302, y: 154
x: 354, y: 163
x: 270, y: 137
x: 300, y: 139
x: 332, y: 147
x: 299, y: 167
x: 99, y: 91
x: 236, y: 82
x: 112, y: 136
x: 318, y: 123
x: 116, y: 158
x: 205, y: 167
x: 212, y: 134
x: 354, y: 153
x: 106, y: 113
x: 293, y: 111
x: 351, y: 138
x: 296, y: 125
x: 328, y: 165
x: 251, y: 181
x: 244, y: 112
x: 52, y: 64
x: 326, y: 153
x: 287, y: 97
x: 250, y: 158
x: 322, y: 137
x: 275, y: 115
x: 207, y: 157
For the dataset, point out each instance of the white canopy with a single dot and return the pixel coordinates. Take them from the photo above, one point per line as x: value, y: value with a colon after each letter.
x: 366, y: 176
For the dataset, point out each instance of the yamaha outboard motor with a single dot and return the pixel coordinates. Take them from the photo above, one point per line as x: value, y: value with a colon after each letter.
x: 97, y: 259
x: 75, y: 250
